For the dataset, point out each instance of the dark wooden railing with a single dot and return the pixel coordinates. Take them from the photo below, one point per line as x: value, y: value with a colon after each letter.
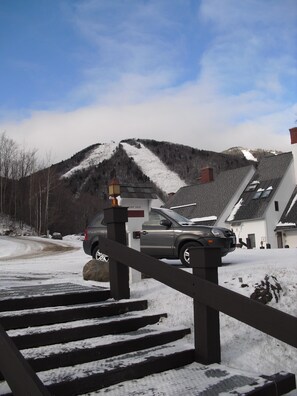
x: 208, y: 297
x: 16, y: 371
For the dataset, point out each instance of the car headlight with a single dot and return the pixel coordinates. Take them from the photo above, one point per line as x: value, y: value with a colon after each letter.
x: 217, y: 233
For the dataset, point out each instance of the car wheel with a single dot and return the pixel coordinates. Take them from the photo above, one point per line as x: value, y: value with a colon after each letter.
x: 184, y: 254
x: 97, y: 255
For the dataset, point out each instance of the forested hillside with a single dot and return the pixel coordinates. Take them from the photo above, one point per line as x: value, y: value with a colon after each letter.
x: 64, y: 196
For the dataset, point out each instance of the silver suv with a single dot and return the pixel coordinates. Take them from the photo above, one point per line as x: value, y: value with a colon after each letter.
x: 165, y: 235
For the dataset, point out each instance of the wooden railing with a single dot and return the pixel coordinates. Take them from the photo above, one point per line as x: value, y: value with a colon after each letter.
x: 208, y: 297
x: 16, y: 371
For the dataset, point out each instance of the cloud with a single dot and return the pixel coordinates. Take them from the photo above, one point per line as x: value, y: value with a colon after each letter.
x: 207, y: 74
x: 183, y: 117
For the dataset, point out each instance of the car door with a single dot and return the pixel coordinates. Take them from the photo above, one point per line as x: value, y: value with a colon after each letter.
x: 156, y: 239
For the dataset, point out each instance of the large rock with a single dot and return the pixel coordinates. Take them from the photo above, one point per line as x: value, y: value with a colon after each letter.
x: 96, y: 270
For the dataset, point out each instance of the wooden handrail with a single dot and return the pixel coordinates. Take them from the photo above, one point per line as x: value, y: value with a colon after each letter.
x: 16, y: 370
x: 267, y: 319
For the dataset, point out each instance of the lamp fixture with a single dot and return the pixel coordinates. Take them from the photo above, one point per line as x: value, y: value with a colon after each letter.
x: 114, y: 190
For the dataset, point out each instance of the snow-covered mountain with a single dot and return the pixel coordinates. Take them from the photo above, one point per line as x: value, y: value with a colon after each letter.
x: 149, y: 163
x: 251, y: 154
x: 165, y: 165
x: 70, y: 192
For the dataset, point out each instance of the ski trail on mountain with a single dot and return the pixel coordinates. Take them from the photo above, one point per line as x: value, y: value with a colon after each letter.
x: 154, y: 168
x: 103, y: 152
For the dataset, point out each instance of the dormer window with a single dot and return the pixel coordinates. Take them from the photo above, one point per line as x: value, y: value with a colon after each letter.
x: 258, y: 193
x: 252, y: 186
x: 266, y: 193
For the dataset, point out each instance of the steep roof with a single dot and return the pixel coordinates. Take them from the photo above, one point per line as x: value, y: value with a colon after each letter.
x: 139, y: 191
x: 261, y: 189
x: 289, y: 217
x: 208, y: 199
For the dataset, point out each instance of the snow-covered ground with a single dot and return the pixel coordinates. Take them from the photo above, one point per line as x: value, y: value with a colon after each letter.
x: 243, y: 347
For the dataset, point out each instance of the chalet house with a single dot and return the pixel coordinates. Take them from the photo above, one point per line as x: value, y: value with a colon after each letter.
x: 259, y: 204
x: 264, y: 199
x: 211, y: 200
x: 286, y: 229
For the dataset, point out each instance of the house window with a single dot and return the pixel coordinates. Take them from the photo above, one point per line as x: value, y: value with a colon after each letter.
x: 276, y: 207
x: 252, y: 186
x: 258, y: 193
x: 266, y: 193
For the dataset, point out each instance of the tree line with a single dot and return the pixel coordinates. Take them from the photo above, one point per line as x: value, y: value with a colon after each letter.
x: 23, y: 193
x: 32, y: 193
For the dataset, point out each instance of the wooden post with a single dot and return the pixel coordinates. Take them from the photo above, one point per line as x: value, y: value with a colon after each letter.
x: 205, y: 262
x: 115, y: 219
x: 17, y: 371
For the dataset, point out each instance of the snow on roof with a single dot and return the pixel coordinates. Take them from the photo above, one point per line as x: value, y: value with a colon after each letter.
x: 280, y: 224
x: 103, y: 152
x: 151, y: 165
x: 235, y: 210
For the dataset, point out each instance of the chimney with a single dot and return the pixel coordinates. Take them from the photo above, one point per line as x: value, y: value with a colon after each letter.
x: 293, y: 133
x: 206, y: 175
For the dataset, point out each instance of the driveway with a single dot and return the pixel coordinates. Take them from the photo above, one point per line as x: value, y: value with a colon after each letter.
x: 29, y: 247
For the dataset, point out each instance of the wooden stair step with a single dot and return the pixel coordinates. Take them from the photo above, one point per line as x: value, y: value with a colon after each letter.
x: 89, y: 377
x: 77, y: 330
x: 114, y: 346
x: 197, y: 379
x: 50, y: 295
x: 99, y: 374
x: 45, y: 316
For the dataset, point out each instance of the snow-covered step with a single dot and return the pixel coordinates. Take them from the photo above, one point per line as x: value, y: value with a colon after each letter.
x: 38, y: 296
x: 80, y: 329
x: 44, y: 316
x: 88, y: 377
x: 87, y: 350
x: 196, y: 379
x: 95, y: 375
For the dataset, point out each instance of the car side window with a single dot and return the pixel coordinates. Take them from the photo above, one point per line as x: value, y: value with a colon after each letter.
x: 154, y: 219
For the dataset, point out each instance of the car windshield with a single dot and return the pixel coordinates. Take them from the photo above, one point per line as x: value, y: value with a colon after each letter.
x: 177, y: 217
x: 98, y: 220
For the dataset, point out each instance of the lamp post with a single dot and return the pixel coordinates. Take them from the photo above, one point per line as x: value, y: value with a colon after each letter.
x: 115, y: 218
x: 114, y: 190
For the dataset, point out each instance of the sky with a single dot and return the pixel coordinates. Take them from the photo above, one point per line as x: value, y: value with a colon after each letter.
x: 211, y: 74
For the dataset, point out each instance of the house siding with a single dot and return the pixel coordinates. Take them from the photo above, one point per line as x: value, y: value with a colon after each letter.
x: 256, y: 227
x: 290, y: 238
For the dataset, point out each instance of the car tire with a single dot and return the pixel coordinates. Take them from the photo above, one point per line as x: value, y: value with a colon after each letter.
x: 97, y: 255
x: 184, y: 254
